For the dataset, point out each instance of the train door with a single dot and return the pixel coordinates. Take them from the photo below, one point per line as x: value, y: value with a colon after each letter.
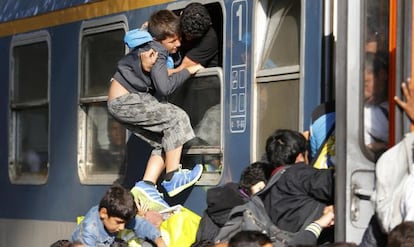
x: 371, y: 55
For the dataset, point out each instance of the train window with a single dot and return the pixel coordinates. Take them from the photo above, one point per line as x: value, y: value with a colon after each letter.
x: 29, y: 109
x: 283, y: 31
x: 101, y: 139
x: 278, y: 76
x: 200, y: 97
x: 375, y: 81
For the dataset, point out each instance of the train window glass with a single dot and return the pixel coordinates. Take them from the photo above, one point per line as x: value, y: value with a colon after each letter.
x: 278, y: 83
x: 100, y: 53
x: 200, y: 97
x: 271, y: 117
x: 283, y: 31
x: 101, y: 139
x: 29, y: 109
x: 375, y: 80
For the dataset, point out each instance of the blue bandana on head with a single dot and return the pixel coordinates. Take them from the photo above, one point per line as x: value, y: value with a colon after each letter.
x: 137, y: 37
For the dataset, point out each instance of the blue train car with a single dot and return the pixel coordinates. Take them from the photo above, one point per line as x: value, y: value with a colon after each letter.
x: 279, y: 59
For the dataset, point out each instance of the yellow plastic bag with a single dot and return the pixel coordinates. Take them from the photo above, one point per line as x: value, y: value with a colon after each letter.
x: 180, y: 228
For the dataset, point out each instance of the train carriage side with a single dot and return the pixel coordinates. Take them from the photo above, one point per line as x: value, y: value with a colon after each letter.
x: 56, y: 139
x: 275, y: 61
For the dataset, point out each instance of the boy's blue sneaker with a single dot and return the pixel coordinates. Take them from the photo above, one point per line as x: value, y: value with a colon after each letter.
x: 182, y: 179
x: 147, y: 193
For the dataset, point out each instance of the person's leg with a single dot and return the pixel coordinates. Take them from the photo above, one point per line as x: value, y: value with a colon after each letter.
x: 165, y: 127
x: 155, y: 166
x: 177, y: 179
x: 136, y: 112
x: 172, y: 159
x: 145, y: 191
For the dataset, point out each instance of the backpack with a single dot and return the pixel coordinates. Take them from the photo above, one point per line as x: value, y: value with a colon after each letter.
x: 220, y: 201
x: 252, y: 216
x: 322, y: 136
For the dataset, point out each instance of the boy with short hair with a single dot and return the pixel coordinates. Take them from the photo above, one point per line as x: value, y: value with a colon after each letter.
x: 116, y: 211
x: 137, y: 98
x: 303, y: 192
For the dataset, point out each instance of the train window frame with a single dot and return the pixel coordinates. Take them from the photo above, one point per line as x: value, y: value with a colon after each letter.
x: 212, y: 173
x: 275, y: 76
x: 93, y: 106
x: 19, y: 106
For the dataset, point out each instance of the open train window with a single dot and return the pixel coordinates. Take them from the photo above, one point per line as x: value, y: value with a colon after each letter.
x: 101, y: 139
x: 29, y: 108
x: 201, y: 97
x: 278, y: 73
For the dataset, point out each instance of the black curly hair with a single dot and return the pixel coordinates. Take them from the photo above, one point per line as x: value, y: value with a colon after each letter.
x: 284, y: 145
x: 194, y: 21
x: 254, y: 173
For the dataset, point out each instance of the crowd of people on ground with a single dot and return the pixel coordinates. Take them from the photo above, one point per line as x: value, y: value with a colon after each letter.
x: 298, y: 204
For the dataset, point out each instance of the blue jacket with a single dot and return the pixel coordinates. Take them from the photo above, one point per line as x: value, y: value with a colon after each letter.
x: 91, y: 231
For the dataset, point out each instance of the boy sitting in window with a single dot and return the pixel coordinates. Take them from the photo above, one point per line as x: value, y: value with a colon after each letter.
x: 138, y: 98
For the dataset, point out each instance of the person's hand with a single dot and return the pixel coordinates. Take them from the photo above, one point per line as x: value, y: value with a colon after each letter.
x: 160, y: 242
x: 144, y: 25
x: 148, y: 59
x: 154, y: 217
x: 142, y: 207
x: 222, y: 244
x: 408, y: 105
x: 194, y: 68
x: 328, y: 217
x: 306, y: 134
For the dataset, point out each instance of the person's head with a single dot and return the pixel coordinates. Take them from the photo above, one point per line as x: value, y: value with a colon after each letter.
x: 402, y: 235
x: 286, y: 147
x: 77, y: 244
x: 254, y: 178
x: 116, y: 132
x: 195, y: 21
x: 61, y: 243
x: 369, y: 78
x: 250, y: 239
x: 164, y: 26
x: 381, y: 76
x: 116, y: 208
x: 375, y: 77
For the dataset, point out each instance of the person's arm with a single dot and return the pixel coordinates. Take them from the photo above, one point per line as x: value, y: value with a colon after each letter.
x: 408, y: 105
x: 148, y: 59
x: 320, y: 184
x: 144, y: 229
x: 407, y: 207
x: 202, y: 52
x: 160, y: 242
x: 311, y: 233
x: 166, y: 84
x: 186, y: 63
x: 85, y: 235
